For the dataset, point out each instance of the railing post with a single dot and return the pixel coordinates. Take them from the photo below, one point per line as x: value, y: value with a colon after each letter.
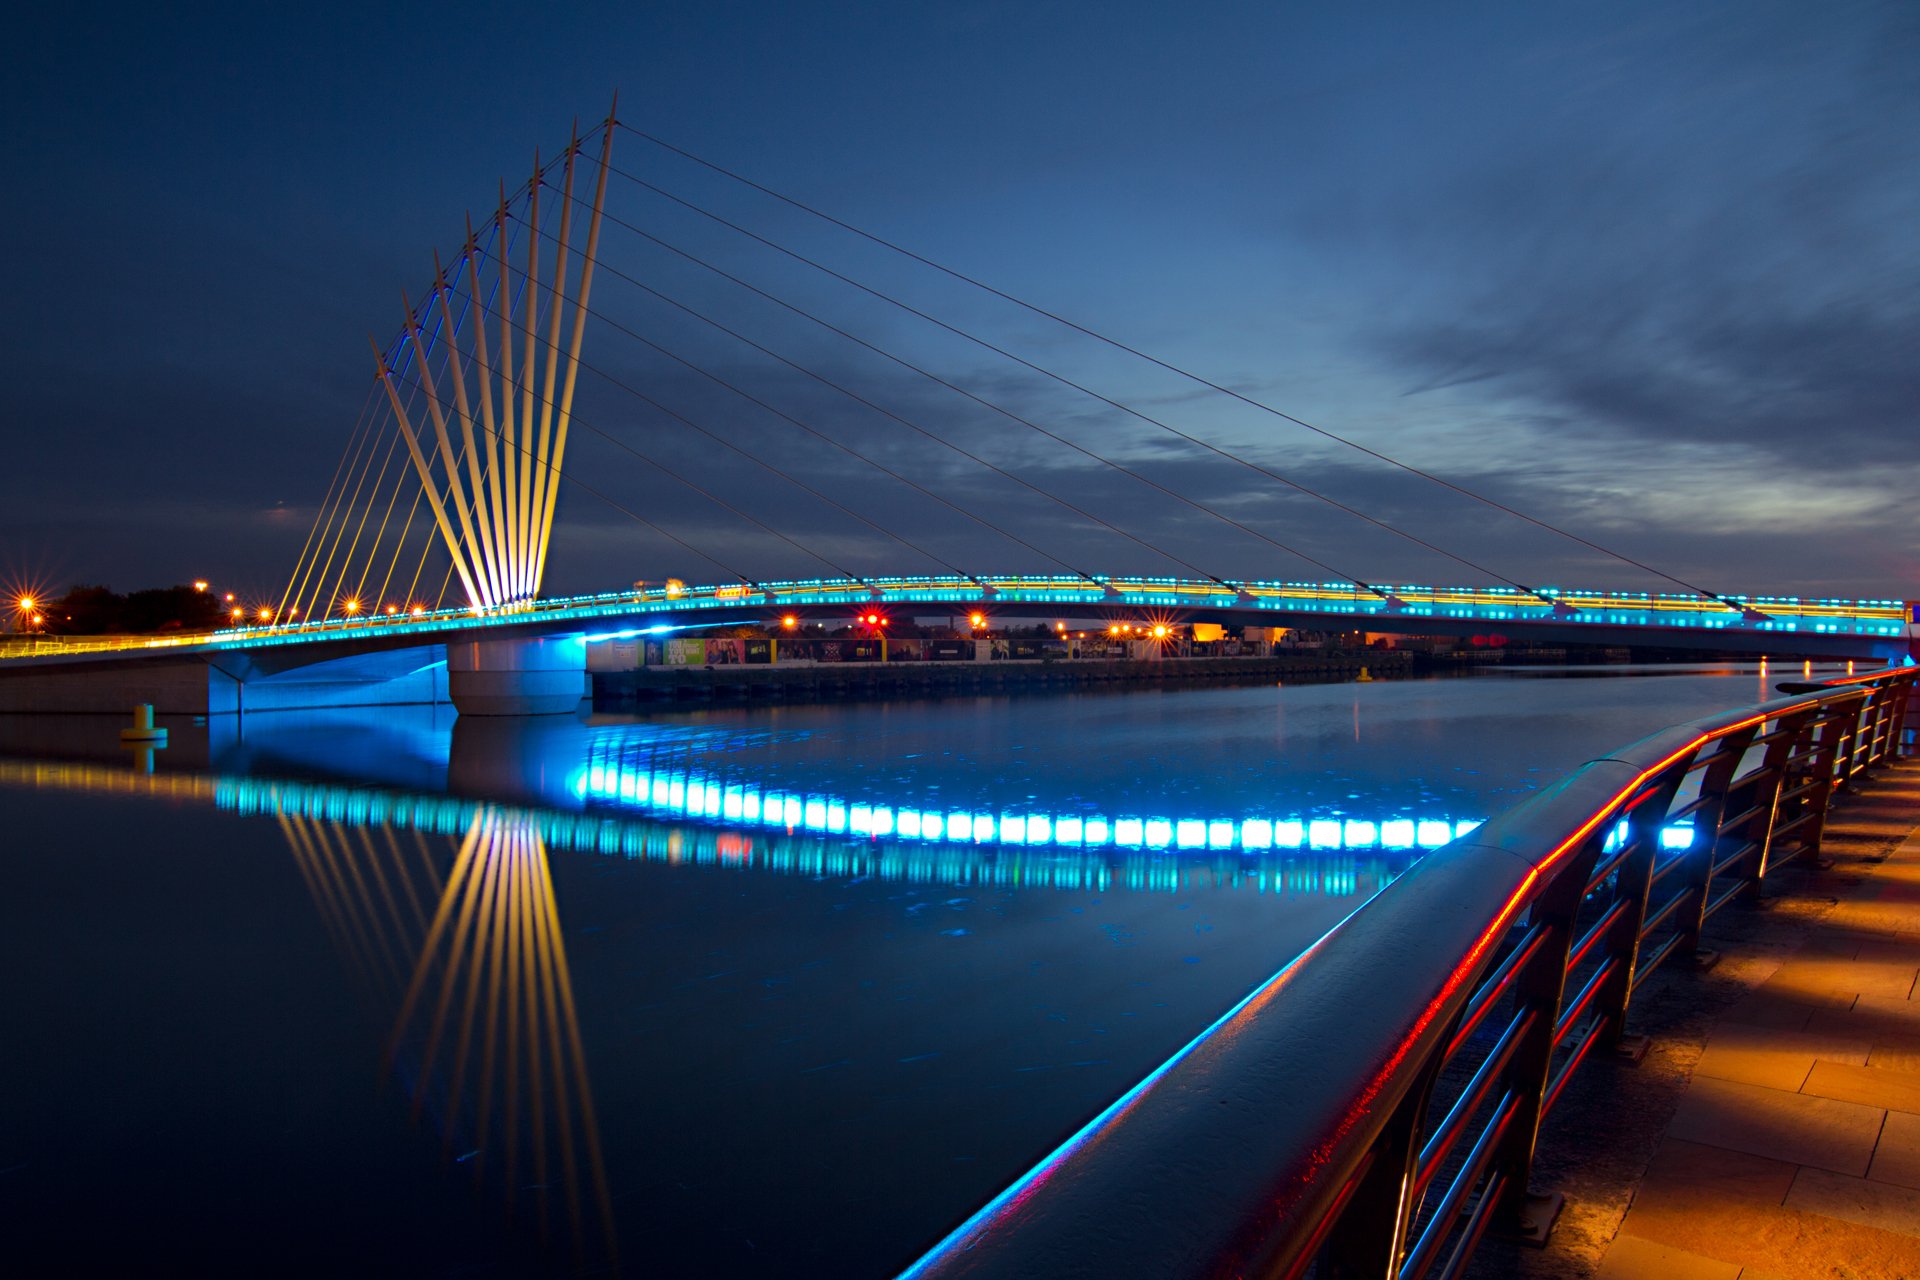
x: 1369, y: 1240
x: 1632, y: 883
x: 1827, y: 770
x: 1717, y: 782
x: 1540, y: 988
x: 1795, y: 730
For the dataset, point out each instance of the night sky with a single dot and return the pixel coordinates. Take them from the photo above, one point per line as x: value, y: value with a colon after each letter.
x: 1649, y: 271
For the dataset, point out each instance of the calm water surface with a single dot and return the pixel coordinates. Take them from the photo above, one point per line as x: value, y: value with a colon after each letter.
x: 742, y: 991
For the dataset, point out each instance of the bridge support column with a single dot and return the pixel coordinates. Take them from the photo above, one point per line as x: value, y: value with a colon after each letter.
x: 543, y: 675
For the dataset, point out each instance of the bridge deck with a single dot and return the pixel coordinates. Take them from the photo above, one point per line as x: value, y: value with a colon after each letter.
x: 1784, y: 624
x: 1780, y: 1136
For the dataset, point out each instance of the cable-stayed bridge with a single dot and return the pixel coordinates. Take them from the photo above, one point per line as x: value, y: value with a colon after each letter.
x: 431, y: 542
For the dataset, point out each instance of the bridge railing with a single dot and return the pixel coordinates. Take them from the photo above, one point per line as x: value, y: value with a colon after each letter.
x: 1373, y: 1108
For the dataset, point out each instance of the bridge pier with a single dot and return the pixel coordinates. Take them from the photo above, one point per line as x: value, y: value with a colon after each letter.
x: 537, y: 676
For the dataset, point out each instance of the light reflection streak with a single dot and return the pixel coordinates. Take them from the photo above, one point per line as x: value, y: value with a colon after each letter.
x: 494, y: 949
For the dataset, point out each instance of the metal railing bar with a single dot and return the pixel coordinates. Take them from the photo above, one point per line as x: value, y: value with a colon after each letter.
x: 1441, y: 1225
x: 1585, y: 998
x: 1725, y: 896
x: 1476, y: 1227
x: 1572, y: 1063
x: 1658, y: 918
x: 1496, y: 985
x: 1719, y: 868
x: 1664, y: 867
x: 1595, y: 934
x: 1440, y: 1145
x: 1652, y: 959
x: 1612, y: 864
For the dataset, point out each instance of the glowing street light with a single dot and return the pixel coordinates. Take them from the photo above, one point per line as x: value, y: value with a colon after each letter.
x: 266, y: 614
x: 789, y: 622
x: 199, y: 584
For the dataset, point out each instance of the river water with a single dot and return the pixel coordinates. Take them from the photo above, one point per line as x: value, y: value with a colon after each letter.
x: 699, y: 992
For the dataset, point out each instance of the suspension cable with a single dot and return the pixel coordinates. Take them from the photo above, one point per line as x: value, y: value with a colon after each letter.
x: 1169, y: 367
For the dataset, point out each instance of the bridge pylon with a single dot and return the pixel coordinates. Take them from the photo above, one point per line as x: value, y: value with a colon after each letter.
x: 499, y: 419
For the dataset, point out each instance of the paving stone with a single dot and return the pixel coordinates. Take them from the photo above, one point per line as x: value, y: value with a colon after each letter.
x: 1682, y: 1173
x: 1874, y: 1086
x: 1631, y: 1258
x: 1861, y: 1200
x: 1776, y: 1058
x: 1896, y: 1158
x: 1770, y: 1011
x: 1896, y: 1053
x: 1818, y: 973
x: 1795, y: 1127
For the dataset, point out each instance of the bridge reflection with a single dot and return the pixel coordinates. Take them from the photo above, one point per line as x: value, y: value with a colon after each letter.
x: 486, y: 1037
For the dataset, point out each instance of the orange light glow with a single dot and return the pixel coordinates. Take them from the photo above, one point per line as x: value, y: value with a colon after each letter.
x: 393, y: 608
x: 353, y: 606
x: 418, y: 609
x: 199, y: 584
x: 265, y: 613
x: 789, y: 622
x: 978, y: 620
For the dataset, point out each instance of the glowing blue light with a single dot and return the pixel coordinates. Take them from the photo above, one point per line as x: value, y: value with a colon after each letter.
x: 1220, y: 835
x: 1190, y: 833
x: 1256, y: 833
x: 1677, y: 836
x: 1013, y: 830
x: 931, y: 825
x: 662, y: 793
x: 816, y: 815
x: 750, y: 806
x: 1039, y: 829
x: 677, y: 792
x: 732, y: 805
x: 792, y: 809
x: 836, y: 817
x: 882, y: 820
x: 1463, y: 827
x: 959, y: 826
x: 1289, y: 835
x: 1128, y: 833
x: 1397, y: 834
x: 910, y: 824
x: 860, y: 820
x: 1069, y: 830
x: 1431, y: 835
x: 1159, y: 833
x: 1359, y: 834
x: 1096, y: 832
x: 1323, y: 833
x: 982, y: 828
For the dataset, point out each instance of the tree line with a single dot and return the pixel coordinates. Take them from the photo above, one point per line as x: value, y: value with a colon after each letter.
x: 96, y: 610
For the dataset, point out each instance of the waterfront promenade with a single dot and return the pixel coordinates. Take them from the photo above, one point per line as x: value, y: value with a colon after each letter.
x: 1773, y: 1129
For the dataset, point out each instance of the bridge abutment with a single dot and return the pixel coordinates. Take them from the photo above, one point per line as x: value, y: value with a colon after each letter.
x: 539, y: 676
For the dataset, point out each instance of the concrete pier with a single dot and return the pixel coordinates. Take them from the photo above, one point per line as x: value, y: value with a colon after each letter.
x: 542, y: 675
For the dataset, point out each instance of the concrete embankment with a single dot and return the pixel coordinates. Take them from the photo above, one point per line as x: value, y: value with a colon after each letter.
x: 827, y: 681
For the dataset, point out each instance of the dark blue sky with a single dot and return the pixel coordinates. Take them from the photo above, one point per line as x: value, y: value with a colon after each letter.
x: 1647, y: 270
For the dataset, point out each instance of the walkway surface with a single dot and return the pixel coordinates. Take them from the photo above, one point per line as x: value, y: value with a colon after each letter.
x: 1774, y: 1128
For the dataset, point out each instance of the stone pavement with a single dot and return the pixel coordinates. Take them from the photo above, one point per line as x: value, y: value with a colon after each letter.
x: 1774, y: 1128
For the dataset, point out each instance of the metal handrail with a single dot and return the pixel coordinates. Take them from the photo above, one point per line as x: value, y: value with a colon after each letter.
x: 1295, y: 1131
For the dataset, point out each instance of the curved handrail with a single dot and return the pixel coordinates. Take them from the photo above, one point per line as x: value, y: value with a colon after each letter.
x: 1311, y: 1121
